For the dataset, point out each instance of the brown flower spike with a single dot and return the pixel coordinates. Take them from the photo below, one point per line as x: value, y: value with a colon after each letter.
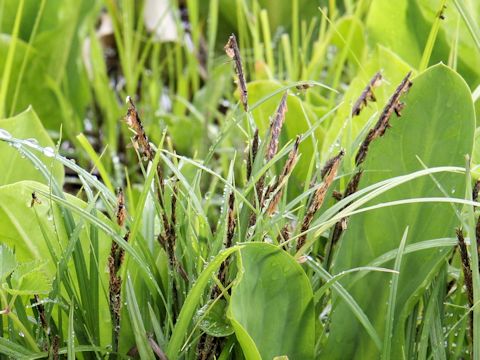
x: 329, y: 172
x: 252, y: 154
x: 121, y: 210
x: 277, y: 188
x: 276, y: 127
x: 232, y: 51
x: 393, y: 105
x: 140, y: 140
x: 367, y: 94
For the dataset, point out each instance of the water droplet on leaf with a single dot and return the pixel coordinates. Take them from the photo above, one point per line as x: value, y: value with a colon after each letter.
x: 48, y: 151
x: 5, y: 135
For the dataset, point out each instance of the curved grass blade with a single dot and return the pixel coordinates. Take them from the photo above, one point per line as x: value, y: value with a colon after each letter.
x: 141, y: 339
x: 387, y: 338
x: 71, y: 334
x: 350, y: 301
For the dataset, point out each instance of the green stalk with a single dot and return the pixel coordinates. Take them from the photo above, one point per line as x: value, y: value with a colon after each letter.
x: 339, y: 66
x: 287, y: 54
x: 71, y: 334
x: 96, y: 160
x: 427, y: 52
x: 473, y: 263
x: 27, y: 54
x: 254, y: 29
x: 23, y: 329
x: 453, y: 56
x: 7, y: 71
x: 212, y: 32
x: 295, y: 36
x: 128, y: 13
x: 472, y: 26
x: 387, y: 338
x: 267, y: 41
x: 31, y: 341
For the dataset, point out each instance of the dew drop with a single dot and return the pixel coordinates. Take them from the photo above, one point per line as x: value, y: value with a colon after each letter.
x: 48, y: 151
x: 31, y: 142
x: 5, y: 135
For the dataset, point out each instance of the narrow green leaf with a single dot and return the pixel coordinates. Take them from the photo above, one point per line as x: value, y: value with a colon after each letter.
x: 387, y: 338
x: 474, y: 261
x: 191, y: 302
x: 349, y: 300
x: 96, y: 161
x: 13, y: 350
x: 71, y: 334
x: 427, y: 51
x: 7, y: 70
x: 141, y: 340
x: 472, y: 26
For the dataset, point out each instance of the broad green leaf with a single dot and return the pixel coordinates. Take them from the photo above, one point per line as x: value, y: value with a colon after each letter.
x: 187, y: 132
x: 400, y: 26
x: 213, y: 320
x: 404, y: 26
x: 55, y: 54
x: 30, y: 278
x: 14, y: 167
x: 60, y: 50
x: 7, y: 262
x: 437, y: 127
x: 271, y: 306
x: 32, y: 89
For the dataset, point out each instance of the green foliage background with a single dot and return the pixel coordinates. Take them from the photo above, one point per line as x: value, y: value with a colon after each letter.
x: 233, y: 284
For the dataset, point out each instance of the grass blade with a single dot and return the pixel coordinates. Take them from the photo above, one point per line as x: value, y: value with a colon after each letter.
x: 7, y: 70
x: 357, y: 311
x: 71, y: 334
x: 13, y: 350
x: 469, y: 22
x: 387, y: 338
x: 474, y: 263
x: 136, y: 321
x: 427, y: 52
x: 96, y: 161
